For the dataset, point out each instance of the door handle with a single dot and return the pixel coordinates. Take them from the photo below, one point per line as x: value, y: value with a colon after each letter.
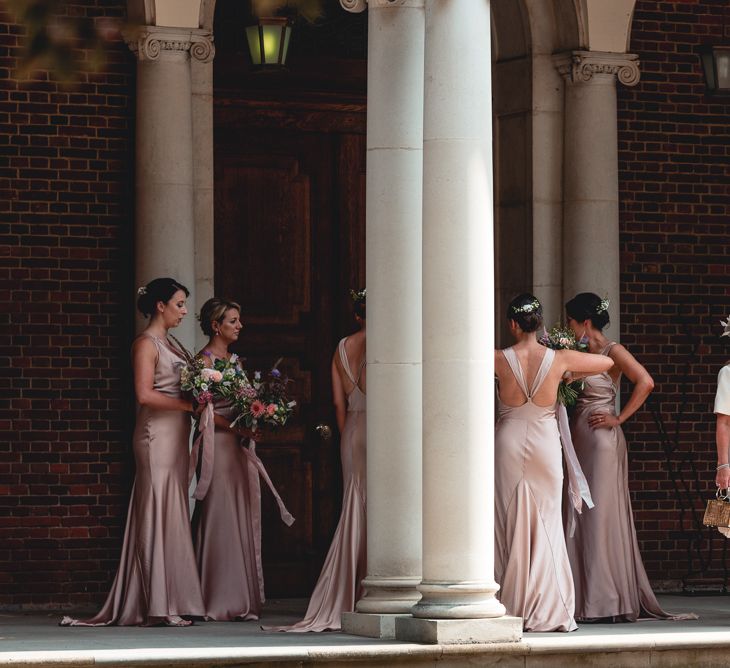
x: 324, y: 431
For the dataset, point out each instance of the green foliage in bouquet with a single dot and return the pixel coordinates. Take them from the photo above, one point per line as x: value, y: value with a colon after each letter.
x: 560, y: 337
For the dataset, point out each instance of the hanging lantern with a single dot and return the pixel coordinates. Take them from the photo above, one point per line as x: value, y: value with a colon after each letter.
x: 268, y: 41
x: 716, y: 66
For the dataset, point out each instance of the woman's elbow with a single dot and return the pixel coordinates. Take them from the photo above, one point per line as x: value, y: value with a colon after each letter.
x: 144, y: 398
x: 648, y: 384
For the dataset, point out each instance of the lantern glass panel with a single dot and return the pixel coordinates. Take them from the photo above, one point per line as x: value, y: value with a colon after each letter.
x: 722, y: 68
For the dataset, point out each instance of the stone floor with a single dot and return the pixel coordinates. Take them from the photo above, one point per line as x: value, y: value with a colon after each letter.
x: 36, y: 640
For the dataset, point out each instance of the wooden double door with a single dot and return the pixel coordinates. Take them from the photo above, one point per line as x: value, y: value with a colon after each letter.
x: 289, y: 244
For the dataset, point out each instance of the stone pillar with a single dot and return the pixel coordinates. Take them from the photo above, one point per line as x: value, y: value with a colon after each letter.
x: 393, y: 267
x: 590, y: 214
x: 203, y: 193
x: 458, y: 589
x: 164, y: 218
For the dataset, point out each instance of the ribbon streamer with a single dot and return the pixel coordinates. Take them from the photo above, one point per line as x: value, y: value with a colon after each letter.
x: 578, y: 490
x: 206, y: 443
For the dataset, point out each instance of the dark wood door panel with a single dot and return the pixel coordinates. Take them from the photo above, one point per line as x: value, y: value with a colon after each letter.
x: 289, y: 242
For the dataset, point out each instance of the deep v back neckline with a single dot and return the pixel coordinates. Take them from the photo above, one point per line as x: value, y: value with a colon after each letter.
x: 348, y: 371
x: 542, y: 372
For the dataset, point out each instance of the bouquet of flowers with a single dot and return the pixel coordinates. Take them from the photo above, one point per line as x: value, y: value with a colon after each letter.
x: 563, y: 338
x: 263, y: 401
x: 207, y: 383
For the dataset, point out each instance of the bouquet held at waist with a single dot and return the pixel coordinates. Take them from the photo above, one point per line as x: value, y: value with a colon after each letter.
x: 258, y: 401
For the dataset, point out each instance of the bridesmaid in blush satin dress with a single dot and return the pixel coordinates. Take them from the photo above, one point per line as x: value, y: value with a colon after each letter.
x: 227, y: 517
x: 531, y: 561
x: 157, y: 580
x: 610, y: 581
x: 338, y: 587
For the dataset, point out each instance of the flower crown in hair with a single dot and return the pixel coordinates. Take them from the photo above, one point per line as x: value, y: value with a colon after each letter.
x: 141, y: 291
x: 527, y: 308
x: 358, y: 296
x: 603, y: 306
x: 726, y: 327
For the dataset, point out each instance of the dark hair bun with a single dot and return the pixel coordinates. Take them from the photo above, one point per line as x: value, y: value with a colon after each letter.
x: 526, y: 311
x: 158, y: 290
x: 589, y: 306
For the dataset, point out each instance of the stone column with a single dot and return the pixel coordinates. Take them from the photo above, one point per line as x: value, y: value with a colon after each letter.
x: 393, y: 268
x: 590, y: 214
x: 458, y: 589
x: 164, y: 218
x: 203, y: 193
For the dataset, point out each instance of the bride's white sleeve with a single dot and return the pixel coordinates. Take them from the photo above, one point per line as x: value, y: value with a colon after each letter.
x: 722, y: 398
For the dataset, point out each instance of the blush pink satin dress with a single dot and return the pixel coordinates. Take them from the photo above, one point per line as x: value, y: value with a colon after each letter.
x: 227, y: 527
x: 530, y: 560
x: 609, y: 575
x: 339, y: 585
x: 157, y: 575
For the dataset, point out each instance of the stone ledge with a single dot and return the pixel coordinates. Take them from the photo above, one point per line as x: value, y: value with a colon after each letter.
x: 459, y: 631
x: 370, y: 625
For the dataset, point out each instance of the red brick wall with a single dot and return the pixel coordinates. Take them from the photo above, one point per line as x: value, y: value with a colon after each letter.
x: 65, y: 306
x: 674, y: 179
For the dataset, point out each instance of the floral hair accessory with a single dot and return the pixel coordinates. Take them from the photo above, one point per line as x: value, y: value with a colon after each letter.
x: 358, y: 296
x: 603, y: 306
x: 726, y: 327
x: 527, y: 308
x: 141, y: 291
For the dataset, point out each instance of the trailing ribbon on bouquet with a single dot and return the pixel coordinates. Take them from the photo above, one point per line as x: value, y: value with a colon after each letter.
x: 205, y: 443
x: 256, y: 471
x: 253, y: 458
x: 578, y: 490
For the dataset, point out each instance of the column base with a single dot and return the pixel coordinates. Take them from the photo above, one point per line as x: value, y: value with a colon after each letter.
x: 370, y: 625
x: 458, y: 600
x: 458, y: 631
x: 389, y: 596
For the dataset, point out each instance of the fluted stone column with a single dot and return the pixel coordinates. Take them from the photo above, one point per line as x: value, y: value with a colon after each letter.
x: 393, y: 268
x: 458, y: 589
x: 590, y: 217
x: 164, y: 218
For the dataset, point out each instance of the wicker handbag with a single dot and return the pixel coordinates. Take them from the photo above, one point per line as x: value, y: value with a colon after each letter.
x: 717, y: 513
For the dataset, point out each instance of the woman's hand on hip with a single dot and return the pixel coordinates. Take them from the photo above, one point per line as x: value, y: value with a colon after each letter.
x: 603, y: 421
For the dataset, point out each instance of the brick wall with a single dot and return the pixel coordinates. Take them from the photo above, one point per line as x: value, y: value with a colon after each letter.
x: 674, y: 179
x: 65, y: 279
x: 65, y: 287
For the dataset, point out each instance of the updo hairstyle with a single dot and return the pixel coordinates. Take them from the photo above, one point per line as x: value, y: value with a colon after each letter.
x: 589, y: 306
x: 358, y: 303
x: 158, y: 290
x: 214, y: 310
x: 526, y: 311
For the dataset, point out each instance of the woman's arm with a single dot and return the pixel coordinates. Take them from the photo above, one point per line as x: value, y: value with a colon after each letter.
x: 144, y: 360
x: 643, y: 383
x: 339, y: 398
x: 722, y: 438
x: 584, y: 363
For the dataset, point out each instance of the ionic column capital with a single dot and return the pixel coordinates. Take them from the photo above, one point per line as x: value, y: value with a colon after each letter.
x: 584, y: 66
x: 357, y: 6
x: 151, y: 42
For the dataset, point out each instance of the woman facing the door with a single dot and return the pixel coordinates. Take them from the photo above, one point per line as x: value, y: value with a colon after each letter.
x: 338, y: 587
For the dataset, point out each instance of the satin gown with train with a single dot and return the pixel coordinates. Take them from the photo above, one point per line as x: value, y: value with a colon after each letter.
x: 338, y: 587
x: 530, y: 560
x: 157, y: 575
x: 610, y: 580
x: 227, y: 530
x: 227, y: 524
